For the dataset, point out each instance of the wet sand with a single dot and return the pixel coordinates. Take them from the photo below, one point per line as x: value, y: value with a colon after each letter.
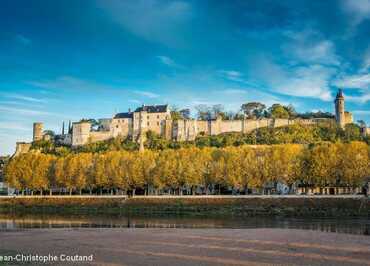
x: 192, y: 246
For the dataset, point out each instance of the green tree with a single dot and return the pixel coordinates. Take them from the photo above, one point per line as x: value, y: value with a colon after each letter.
x: 278, y: 111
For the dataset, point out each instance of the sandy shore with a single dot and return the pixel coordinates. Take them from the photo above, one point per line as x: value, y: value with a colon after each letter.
x: 191, y: 246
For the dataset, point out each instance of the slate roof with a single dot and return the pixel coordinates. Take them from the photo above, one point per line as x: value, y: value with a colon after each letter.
x: 153, y: 108
x: 340, y: 93
x: 124, y: 115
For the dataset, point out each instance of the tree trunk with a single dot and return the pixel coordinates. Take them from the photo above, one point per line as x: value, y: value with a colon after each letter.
x: 70, y: 192
x: 133, y: 192
x: 51, y: 192
x: 41, y: 192
x: 31, y: 192
x: 90, y: 191
x: 80, y: 191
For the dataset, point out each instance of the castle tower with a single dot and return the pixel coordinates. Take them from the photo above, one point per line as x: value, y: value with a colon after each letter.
x: 339, y: 109
x: 38, y: 129
x: 80, y: 133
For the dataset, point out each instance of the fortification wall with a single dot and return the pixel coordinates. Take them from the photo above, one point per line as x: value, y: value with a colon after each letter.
x: 100, y: 136
x: 168, y: 129
x: 348, y: 118
x: 180, y: 130
x: 202, y: 126
x: 231, y: 126
x: 22, y: 147
x: 282, y: 122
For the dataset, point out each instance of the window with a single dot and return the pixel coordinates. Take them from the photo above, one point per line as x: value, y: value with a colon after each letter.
x: 147, y: 117
x: 158, y: 116
x: 148, y: 123
x: 157, y: 123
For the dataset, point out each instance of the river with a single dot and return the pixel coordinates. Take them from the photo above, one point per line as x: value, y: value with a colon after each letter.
x: 9, y: 222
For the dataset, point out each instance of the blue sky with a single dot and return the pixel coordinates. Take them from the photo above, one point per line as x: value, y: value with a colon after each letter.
x: 66, y: 60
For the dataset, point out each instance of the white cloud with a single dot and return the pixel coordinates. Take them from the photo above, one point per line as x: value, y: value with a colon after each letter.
x: 366, y: 62
x: 232, y: 75
x: 360, y: 81
x: 147, y: 94
x: 357, y: 10
x: 64, y: 82
x: 13, y: 126
x: 134, y: 101
x: 72, y: 83
x: 364, y: 98
x: 24, y: 98
x: 309, y: 47
x: 24, y: 111
x: 304, y: 81
x: 168, y: 61
x: 154, y: 20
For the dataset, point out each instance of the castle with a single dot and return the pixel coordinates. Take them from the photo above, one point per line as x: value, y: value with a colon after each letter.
x: 157, y: 118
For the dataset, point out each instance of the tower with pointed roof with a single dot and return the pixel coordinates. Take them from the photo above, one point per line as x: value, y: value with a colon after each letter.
x: 339, y: 109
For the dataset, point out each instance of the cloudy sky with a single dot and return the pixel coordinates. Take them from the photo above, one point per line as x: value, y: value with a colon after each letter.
x: 66, y: 60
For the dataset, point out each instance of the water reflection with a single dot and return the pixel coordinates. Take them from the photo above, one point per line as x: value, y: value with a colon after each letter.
x: 16, y: 222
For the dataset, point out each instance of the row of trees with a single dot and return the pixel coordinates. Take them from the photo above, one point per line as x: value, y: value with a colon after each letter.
x: 191, y: 168
x: 251, y: 110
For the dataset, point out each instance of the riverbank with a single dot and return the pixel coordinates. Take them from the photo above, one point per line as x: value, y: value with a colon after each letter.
x: 296, y: 206
x: 122, y: 246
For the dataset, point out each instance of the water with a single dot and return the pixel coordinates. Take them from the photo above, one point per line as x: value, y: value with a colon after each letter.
x: 335, y: 225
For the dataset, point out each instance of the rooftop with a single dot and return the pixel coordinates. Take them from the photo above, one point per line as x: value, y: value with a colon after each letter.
x: 123, y: 115
x: 153, y: 108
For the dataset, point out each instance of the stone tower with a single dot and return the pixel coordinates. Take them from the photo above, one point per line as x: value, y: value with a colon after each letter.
x: 38, y: 129
x: 339, y: 109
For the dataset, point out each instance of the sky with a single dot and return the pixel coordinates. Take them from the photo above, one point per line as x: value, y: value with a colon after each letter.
x: 67, y: 60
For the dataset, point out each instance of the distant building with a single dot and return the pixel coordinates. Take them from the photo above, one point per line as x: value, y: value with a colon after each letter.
x: 157, y: 118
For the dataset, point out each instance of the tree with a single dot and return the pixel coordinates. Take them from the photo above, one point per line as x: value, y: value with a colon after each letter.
x: 99, y: 172
x: 253, y: 109
x: 147, y: 165
x: 203, y: 112
x: 41, y: 166
x: 218, y: 110
x: 322, y: 164
x: 354, y: 163
x: 352, y: 132
x: 185, y: 113
x: 115, y: 170
x: 278, y: 111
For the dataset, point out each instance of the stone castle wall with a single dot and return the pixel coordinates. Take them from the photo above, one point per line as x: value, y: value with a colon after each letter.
x: 179, y: 130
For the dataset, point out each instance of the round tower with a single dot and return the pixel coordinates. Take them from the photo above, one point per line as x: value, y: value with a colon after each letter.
x: 38, y: 129
x: 339, y: 109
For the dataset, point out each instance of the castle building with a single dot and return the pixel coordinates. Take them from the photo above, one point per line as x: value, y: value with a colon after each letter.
x: 157, y: 118
x: 38, y: 131
x: 341, y: 116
